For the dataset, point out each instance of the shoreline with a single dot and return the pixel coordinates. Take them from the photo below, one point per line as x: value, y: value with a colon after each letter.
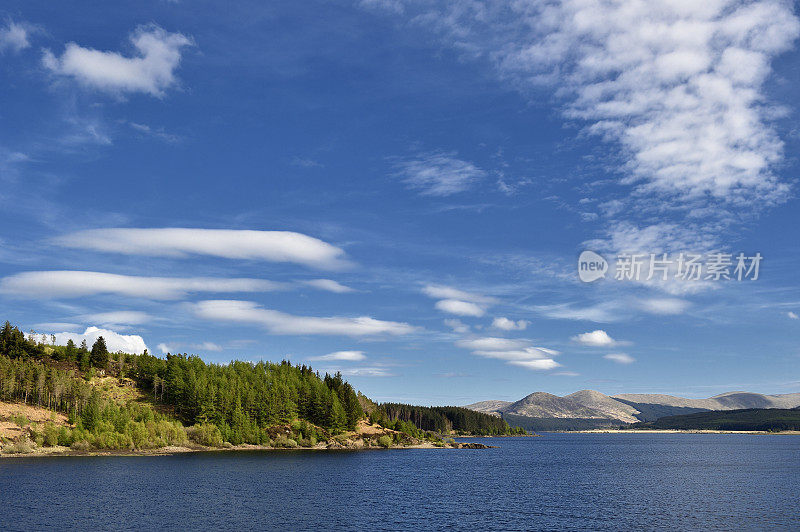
x: 176, y: 450
x: 681, y: 431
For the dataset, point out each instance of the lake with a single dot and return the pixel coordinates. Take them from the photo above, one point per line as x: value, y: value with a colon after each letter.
x: 559, y: 481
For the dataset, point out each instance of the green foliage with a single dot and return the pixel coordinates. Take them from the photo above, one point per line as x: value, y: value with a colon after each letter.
x: 98, y: 357
x: 284, y: 442
x: 751, y: 419
x: 24, y: 445
x: 385, y: 441
x: 243, y: 399
x: 206, y: 434
x: 441, y: 419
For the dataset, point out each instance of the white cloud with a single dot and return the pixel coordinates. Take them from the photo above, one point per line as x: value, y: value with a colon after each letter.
x: 489, y: 343
x: 792, y: 315
x: 329, y: 286
x: 439, y: 174
x: 208, y: 346
x: 457, y: 325
x: 679, y: 87
x: 369, y: 371
x: 566, y: 374
x: 460, y: 308
x: 506, y: 324
x: 203, y: 346
x: 598, y: 338
x: 158, y: 133
x: 120, y: 317
x: 151, y: 70
x: 57, y: 326
x: 114, y: 341
x: 280, y: 323
x: 350, y: 356
x: 606, y: 312
x: 540, y: 364
x: 448, y: 292
x: 528, y: 353
x: 273, y: 246
x: 666, y: 306
x: 614, y: 310
x: 459, y: 302
x: 518, y: 352
x: 620, y: 358
x: 54, y: 284
x: 14, y: 37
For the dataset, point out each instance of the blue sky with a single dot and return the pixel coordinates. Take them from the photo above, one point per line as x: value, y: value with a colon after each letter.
x: 400, y: 190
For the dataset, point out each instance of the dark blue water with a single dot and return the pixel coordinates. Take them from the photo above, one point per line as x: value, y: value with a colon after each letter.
x: 558, y: 482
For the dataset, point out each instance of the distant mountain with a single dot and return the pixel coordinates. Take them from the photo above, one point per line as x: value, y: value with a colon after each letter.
x: 489, y: 407
x: 609, y: 407
x: 724, y: 401
x: 590, y: 408
x: 541, y: 404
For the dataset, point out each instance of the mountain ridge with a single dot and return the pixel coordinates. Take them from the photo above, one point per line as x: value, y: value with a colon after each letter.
x: 588, y: 405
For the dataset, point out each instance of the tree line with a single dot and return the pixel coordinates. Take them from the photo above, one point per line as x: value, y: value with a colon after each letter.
x: 444, y: 419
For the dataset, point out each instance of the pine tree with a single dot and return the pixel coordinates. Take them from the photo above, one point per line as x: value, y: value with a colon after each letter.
x: 99, y: 355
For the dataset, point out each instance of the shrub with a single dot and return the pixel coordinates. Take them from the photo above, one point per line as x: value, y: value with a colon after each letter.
x: 283, y: 441
x: 64, y: 436
x: 81, y: 445
x: 385, y: 441
x: 23, y: 445
x: 50, y: 435
x: 206, y: 434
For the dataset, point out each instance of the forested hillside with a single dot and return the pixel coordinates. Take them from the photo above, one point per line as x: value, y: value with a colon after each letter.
x: 445, y: 419
x: 240, y: 402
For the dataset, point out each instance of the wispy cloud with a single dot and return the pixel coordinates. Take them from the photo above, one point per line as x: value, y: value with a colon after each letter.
x: 679, y: 87
x: 506, y: 324
x: 460, y: 308
x: 14, y: 37
x: 157, y: 133
x: 273, y: 246
x: 329, y: 285
x: 367, y: 371
x: 117, y: 318
x: 349, y: 356
x: 439, y: 174
x: 458, y: 302
x: 620, y: 358
x: 65, y: 283
x: 448, y: 292
x: 281, y: 323
x: 457, y: 325
x: 518, y: 352
x: 151, y: 71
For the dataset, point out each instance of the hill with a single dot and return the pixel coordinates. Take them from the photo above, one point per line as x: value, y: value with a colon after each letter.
x: 489, y: 407
x: 591, y: 409
x: 604, y: 404
x: 724, y: 401
x: 133, y: 402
